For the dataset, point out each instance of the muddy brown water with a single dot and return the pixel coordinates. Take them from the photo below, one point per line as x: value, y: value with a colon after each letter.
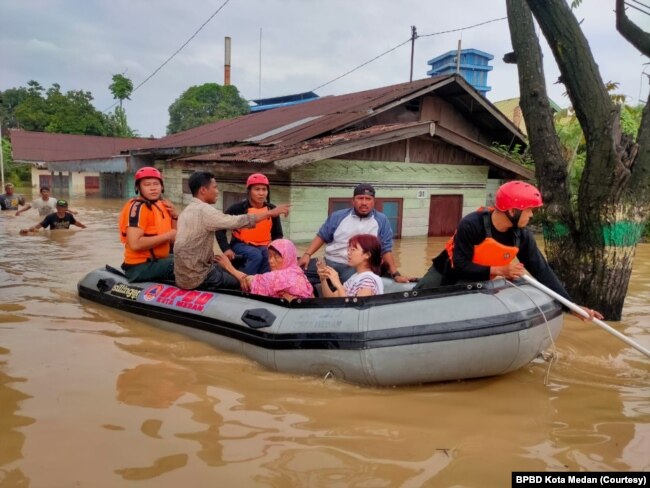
x: 90, y: 398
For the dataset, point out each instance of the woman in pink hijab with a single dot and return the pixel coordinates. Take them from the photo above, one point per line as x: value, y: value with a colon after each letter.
x: 285, y: 280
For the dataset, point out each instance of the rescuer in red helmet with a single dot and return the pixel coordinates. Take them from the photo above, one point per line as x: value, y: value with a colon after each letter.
x: 252, y: 244
x: 487, y: 241
x: 148, y: 229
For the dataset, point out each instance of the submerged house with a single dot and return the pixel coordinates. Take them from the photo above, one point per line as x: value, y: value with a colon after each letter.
x: 76, y: 164
x: 425, y: 145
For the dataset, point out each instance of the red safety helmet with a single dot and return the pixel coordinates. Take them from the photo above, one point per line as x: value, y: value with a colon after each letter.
x: 257, y: 179
x: 517, y: 195
x: 147, y: 172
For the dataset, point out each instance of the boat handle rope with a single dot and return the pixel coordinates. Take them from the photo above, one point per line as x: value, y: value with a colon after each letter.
x: 554, y: 354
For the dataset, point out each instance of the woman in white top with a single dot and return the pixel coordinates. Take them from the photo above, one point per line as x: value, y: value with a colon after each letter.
x: 364, y: 255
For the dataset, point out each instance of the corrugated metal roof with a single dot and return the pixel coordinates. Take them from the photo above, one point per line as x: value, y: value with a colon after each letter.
x: 328, y: 113
x: 47, y: 147
x: 287, y: 156
x: 268, y: 154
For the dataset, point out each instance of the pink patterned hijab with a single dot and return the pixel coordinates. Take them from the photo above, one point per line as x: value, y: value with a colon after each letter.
x: 290, y: 279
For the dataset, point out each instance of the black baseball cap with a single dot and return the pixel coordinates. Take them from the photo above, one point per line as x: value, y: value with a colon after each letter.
x: 61, y: 203
x: 364, y: 189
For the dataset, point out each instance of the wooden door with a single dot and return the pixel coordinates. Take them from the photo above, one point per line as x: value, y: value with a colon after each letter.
x: 445, y: 211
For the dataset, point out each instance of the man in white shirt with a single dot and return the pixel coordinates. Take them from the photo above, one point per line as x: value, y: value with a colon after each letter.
x: 340, y: 226
x: 44, y: 205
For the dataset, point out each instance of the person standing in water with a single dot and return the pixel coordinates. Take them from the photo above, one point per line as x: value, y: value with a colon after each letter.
x: 61, y: 219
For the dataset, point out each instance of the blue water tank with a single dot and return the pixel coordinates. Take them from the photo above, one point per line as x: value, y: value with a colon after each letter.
x: 474, y: 67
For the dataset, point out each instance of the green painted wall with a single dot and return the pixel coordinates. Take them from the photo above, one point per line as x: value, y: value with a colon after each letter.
x: 412, y: 182
x: 312, y: 185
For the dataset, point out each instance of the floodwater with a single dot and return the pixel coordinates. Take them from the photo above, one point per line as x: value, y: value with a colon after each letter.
x: 89, y: 398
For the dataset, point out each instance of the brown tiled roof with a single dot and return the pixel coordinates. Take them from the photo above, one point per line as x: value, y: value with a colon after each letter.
x: 47, y: 147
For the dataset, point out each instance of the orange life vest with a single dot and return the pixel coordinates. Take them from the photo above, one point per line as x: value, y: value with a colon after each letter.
x: 489, y: 252
x: 154, y: 219
x: 260, y: 235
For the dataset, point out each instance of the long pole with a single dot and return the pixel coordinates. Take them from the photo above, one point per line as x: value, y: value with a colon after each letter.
x: 259, y: 94
x: 414, y: 35
x: 2, y: 157
x: 575, y: 308
x: 226, y: 61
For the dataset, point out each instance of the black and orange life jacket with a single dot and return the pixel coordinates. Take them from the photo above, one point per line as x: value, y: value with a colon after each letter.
x: 489, y: 252
x: 260, y: 235
x: 154, y: 219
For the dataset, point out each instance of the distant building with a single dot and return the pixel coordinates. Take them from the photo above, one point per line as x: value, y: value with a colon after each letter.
x: 76, y: 164
x: 262, y: 104
x: 473, y: 66
x: 511, y: 109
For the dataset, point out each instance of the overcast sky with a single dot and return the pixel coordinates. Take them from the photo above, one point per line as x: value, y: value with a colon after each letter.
x: 80, y: 44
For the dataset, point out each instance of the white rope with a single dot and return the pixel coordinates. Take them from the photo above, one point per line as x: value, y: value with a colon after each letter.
x: 554, y: 354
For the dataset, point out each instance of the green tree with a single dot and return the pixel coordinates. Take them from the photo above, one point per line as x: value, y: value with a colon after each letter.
x: 14, y: 172
x: 199, y: 105
x: 118, y: 126
x: 9, y: 100
x: 121, y: 88
x: 34, y: 108
x: 73, y: 113
x: 31, y: 112
x: 591, y: 245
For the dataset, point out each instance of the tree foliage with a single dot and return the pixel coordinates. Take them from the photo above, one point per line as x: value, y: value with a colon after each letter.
x: 118, y: 124
x: 573, y: 141
x: 121, y: 88
x: 37, y: 109
x: 202, y: 104
x: 14, y: 172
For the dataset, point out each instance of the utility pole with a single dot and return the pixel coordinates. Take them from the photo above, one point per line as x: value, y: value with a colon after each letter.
x: 2, y: 158
x: 259, y: 89
x: 414, y: 36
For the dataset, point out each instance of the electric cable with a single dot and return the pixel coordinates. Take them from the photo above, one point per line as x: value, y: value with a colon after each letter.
x: 175, y: 52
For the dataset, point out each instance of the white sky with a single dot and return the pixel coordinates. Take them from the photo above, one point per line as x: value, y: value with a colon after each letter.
x: 80, y: 44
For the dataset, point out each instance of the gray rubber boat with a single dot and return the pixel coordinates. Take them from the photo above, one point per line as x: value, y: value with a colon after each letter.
x: 401, y: 337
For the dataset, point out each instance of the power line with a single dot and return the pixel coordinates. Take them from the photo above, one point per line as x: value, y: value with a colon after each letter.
x: 637, y: 8
x: 176, y: 52
x: 462, y: 28
x: 641, y: 3
x: 405, y: 42
x: 364, y: 64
